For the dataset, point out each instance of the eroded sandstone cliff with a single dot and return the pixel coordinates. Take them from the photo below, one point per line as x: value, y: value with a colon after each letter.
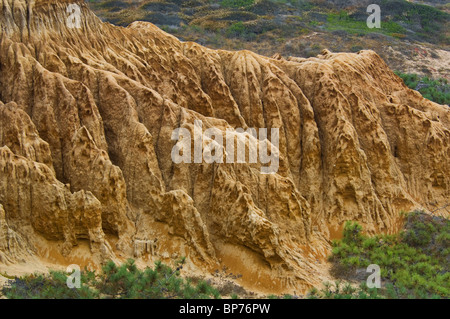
x: 86, y: 122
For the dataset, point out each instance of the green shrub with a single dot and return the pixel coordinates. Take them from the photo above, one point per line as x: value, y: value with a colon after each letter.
x: 352, y: 233
x: 436, y: 90
x: 414, y: 263
x: 124, y: 282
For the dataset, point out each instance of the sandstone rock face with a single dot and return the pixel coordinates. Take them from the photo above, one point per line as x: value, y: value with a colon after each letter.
x: 13, y: 247
x: 87, y: 117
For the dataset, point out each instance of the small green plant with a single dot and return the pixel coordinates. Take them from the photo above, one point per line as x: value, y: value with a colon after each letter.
x: 352, y: 233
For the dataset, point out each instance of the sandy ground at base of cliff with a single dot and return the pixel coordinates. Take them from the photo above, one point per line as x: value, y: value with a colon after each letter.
x: 226, y: 282
x: 221, y: 281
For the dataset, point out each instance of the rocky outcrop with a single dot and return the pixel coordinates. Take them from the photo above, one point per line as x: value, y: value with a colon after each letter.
x: 13, y: 247
x: 35, y: 201
x: 87, y: 139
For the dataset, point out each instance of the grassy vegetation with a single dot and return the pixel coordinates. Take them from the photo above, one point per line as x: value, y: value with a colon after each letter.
x: 437, y: 90
x: 344, y: 21
x: 414, y: 263
x: 400, y: 18
x: 124, y: 282
x: 424, y: 20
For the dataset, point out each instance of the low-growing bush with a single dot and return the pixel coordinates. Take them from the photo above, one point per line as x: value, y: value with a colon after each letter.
x: 123, y: 282
x: 413, y: 263
x: 436, y: 90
